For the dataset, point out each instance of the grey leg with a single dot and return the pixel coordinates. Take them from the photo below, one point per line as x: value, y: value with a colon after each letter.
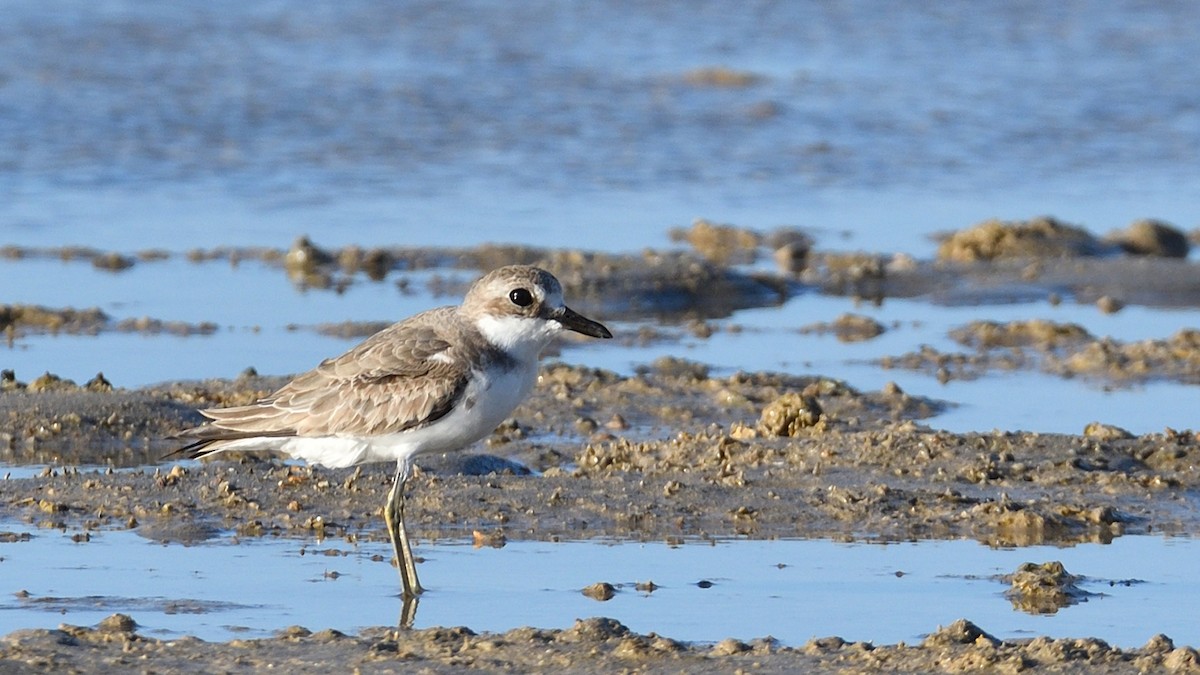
x: 393, y: 513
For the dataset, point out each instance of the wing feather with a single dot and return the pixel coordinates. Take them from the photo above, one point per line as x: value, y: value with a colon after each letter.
x: 404, y: 377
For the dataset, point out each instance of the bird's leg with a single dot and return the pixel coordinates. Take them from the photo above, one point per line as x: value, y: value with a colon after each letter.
x: 393, y: 513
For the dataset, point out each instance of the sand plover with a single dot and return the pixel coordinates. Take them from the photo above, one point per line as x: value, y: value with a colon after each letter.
x: 435, y: 382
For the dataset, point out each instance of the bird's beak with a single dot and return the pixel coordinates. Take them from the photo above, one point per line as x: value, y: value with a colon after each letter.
x: 572, y: 320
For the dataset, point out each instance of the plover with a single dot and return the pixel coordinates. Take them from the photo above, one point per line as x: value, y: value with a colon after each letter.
x: 435, y: 382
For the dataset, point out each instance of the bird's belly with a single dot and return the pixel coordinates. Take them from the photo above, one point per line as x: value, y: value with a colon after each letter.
x: 484, y: 405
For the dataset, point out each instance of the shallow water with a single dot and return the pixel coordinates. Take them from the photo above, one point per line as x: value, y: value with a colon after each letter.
x: 792, y: 590
x: 128, y: 125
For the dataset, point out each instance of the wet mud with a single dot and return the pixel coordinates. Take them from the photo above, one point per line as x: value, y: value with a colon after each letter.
x: 670, y: 452
x: 649, y: 456
x: 1062, y: 349
x: 1044, y: 588
x: 594, y: 645
x: 1048, y: 237
x: 650, y: 284
x: 18, y: 321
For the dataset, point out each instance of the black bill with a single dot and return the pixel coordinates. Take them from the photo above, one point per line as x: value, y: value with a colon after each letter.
x: 572, y: 320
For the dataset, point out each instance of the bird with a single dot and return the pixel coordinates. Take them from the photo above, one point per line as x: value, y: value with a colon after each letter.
x: 432, y: 383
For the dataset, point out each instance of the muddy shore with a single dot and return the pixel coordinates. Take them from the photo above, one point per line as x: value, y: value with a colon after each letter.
x: 651, y: 456
x: 595, y: 645
x: 667, y: 453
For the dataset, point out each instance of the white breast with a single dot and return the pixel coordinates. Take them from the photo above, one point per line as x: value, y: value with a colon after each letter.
x: 490, y: 397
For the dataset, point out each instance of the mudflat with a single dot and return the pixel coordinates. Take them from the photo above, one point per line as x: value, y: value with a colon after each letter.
x: 668, y: 452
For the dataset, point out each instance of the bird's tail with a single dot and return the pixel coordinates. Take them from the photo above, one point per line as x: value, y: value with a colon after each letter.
x: 210, y: 439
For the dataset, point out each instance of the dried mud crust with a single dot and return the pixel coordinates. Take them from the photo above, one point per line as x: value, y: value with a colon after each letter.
x: 596, y: 645
x: 666, y: 454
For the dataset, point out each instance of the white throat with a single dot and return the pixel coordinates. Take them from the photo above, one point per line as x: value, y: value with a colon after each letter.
x: 521, y: 337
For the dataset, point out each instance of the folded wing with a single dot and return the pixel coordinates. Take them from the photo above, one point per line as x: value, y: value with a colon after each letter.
x: 401, y: 378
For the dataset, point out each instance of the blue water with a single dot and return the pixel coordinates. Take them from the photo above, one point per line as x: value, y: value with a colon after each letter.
x: 129, y: 124
x: 790, y: 590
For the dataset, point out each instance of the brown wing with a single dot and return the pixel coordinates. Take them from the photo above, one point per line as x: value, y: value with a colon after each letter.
x: 403, y: 377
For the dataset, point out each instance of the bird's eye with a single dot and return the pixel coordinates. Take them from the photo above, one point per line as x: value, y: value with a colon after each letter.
x: 521, y: 297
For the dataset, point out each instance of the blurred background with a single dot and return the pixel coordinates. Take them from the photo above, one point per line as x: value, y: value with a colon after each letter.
x: 151, y: 130
x: 597, y: 125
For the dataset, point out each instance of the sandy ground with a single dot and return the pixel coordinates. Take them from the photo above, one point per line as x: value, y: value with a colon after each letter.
x: 670, y: 452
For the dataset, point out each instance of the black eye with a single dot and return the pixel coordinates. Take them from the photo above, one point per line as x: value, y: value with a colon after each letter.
x: 521, y: 297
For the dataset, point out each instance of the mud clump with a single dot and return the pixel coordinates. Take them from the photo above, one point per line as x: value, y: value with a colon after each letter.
x: 1008, y: 522
x: 304, y: 256
x: 1034, y: 333
x: 722, y: 244
x: 1109, y: 305
x: 1148, y: 237
x: 861, y: 275
x: 675, y: 367
x: 1043, y: 588
x: 952, y: 366
x: 376, y: 263
x: 789, y: 414
x: 730, y: 244
x: 1105, y: 432
x: 112, y: 262
x: 849, y: 328
x: 307, y: 265
x: 18, y: 320
x: 961, y: 632
x: 791, y: 258
x: 1043, y: 237
x: 51, y: 382
x: 601, y: 591
x: 117, y: 623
